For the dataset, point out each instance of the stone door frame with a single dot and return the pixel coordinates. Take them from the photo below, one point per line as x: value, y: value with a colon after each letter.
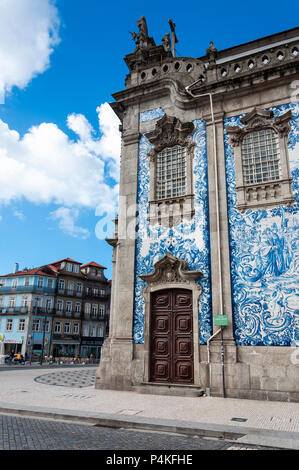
x: 181, y: 278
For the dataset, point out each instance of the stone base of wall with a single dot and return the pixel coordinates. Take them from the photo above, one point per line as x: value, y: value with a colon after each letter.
x: 259, y: 373
x: 250, y: 372
x: 115, y: 369
x: 261, y: 395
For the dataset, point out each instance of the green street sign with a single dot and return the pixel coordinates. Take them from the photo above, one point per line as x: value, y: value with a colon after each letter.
x: 221, y: 320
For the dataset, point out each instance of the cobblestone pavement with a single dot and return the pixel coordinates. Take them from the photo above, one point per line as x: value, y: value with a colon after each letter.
x: 18, y: 433
x: 69, y: 378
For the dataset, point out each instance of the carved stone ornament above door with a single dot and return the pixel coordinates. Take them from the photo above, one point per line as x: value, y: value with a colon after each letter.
x: 171, y: 269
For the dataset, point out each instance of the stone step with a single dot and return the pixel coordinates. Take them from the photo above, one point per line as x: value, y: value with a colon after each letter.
x: 156, y: 388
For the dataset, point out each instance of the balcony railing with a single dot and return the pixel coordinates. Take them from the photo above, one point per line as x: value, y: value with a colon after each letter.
x: 98, y: 316
x: 69, y: 293
x: 10, y: 289
x: 14, y: 310
x: 96, y: 295
x: 34, y: 310
x: 67, y: 313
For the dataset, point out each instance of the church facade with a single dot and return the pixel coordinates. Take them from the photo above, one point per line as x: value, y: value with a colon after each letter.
x: 205, y: 250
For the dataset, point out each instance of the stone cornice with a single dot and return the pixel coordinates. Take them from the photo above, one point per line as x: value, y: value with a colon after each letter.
x: 222, y: 91
x: 130, y: 138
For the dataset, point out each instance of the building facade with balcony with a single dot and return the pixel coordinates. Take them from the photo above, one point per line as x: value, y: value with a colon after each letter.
x: 96, y: 303
x: 60, y: 310
x: 66, y: 334
x: 27, y: 301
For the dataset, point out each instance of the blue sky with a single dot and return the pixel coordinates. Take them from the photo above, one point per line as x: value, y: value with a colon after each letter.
x: 55, y: 100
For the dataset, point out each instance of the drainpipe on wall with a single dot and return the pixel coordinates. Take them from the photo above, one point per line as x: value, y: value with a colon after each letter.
x: 208, y: 389
x: 210, y: 95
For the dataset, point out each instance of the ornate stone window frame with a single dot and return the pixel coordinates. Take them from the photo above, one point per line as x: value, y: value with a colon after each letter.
x: 169, y: 132
x: 270, y: 193
x: 171, y: 272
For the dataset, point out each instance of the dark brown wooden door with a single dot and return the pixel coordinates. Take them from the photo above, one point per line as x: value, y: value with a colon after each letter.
x: 171, y: 352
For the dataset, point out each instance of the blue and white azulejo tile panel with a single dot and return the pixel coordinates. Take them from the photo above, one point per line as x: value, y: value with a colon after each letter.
x: 264, y: 247
x: 151, y: 114
x: 188, y: 241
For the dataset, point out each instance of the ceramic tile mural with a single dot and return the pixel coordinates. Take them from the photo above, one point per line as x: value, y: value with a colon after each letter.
x: 151, y: 114
x: 188, y: 241
x: 264, y: 257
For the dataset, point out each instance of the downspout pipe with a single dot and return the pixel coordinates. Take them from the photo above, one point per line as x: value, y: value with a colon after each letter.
x: 210, y: 95
x: 216, y: 187
x: 208, y: 389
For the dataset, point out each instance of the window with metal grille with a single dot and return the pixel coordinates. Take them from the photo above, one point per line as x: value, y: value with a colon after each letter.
x: 171, y: 172
x: 260, y: 157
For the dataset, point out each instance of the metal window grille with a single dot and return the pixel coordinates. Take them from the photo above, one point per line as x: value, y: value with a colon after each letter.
x: 260, y: 157
x: 171, y: 172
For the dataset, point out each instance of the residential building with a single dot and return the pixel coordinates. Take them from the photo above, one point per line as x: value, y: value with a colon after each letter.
x: 66, y: 334
x: 44, y: 310
x: 96, y: 298
x: 26, y: 310
x: 205, y: 284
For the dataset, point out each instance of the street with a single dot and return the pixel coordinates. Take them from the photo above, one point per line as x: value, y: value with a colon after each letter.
x: 72, y: 388
x: 18, y: 433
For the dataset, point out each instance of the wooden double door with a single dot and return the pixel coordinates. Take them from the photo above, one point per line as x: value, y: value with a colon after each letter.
x: 171, y: 343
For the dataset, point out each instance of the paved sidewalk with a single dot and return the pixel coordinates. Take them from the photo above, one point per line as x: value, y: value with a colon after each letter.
x: 70, y: 394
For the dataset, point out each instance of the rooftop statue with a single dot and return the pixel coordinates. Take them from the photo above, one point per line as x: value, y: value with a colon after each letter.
x: 212, y: 54
x: 141, y: 38
x: 166, y: 42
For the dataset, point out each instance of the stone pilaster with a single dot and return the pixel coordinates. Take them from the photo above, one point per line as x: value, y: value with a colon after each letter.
x: 115, y: 371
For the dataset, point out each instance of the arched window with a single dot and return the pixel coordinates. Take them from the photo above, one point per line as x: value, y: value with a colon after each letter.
x: 260, y: 157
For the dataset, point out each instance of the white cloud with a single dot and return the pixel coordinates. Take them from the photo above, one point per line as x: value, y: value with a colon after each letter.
x: 28, y: 35
x: 66, y: 218
x: 19, y: 214
x: 46, y: 166
x: 108, y: 146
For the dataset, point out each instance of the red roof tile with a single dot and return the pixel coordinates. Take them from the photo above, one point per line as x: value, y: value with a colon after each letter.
x: 93, y: 264
x: 39, y: 271
x: 65, y: 259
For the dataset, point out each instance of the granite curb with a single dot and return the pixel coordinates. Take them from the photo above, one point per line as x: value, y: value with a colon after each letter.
x: 239, y: 434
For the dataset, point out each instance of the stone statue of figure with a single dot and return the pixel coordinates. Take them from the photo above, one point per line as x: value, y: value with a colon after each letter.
x: 212, y: 53
x: 166, y: 42
x: 141, y: 38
